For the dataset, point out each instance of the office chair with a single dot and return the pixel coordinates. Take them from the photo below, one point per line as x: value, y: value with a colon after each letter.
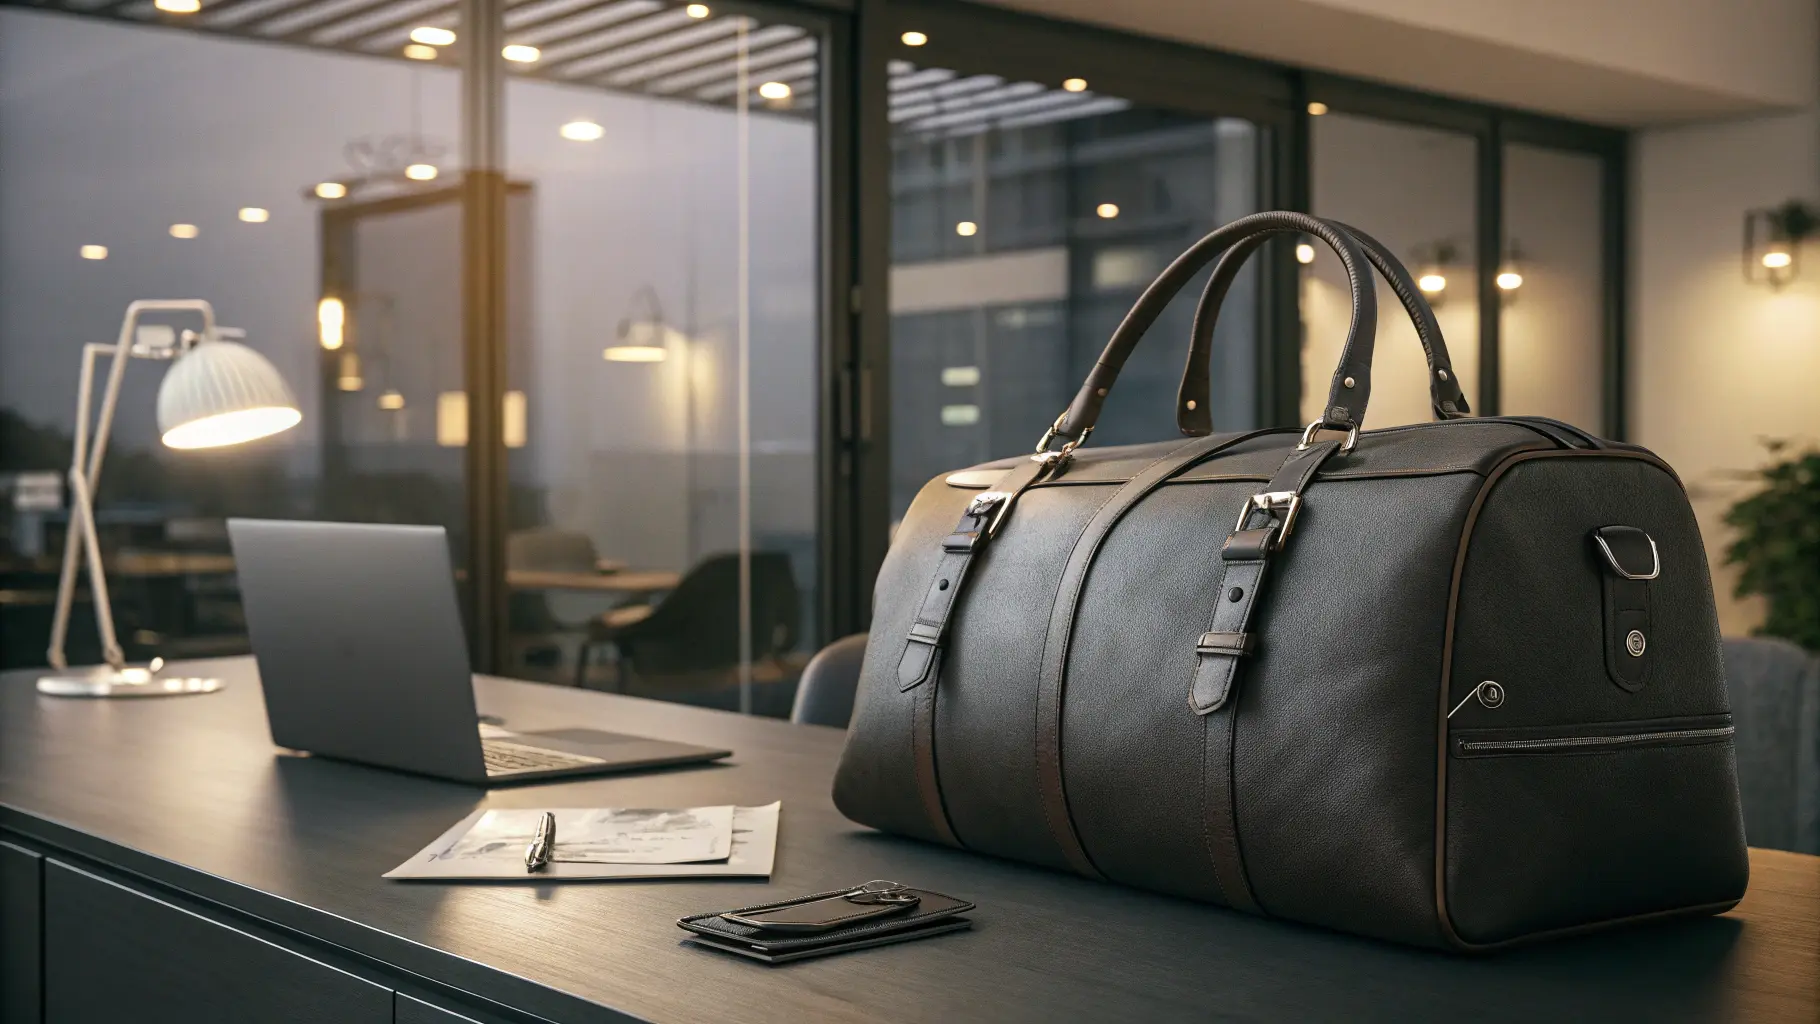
x: 532, y: 620
x: 695, y: 628
x: 824, y: 695
x: 1775, y: 698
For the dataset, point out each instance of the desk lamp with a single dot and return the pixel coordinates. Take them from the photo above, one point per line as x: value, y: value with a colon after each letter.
x: 217, y: 393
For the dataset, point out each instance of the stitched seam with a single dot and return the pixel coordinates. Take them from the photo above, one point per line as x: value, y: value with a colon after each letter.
x: 1213, y: 859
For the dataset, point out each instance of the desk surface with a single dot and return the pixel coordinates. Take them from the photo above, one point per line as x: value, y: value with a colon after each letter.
x: 188, y: 791
x: 629, y: 581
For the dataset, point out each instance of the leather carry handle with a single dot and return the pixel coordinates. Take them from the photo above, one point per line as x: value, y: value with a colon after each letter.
x: 1078, y: 419
x: 1192, y: 411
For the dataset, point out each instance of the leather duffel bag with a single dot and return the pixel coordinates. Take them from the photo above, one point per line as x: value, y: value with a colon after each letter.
x: 1455, y: 684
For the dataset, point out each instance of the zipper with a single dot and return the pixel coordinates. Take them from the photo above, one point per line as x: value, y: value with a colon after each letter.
x: 1542, y: 746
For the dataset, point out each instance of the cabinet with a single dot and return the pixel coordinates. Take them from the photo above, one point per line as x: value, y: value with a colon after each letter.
x: 21, y: 917
x: 113, y: 953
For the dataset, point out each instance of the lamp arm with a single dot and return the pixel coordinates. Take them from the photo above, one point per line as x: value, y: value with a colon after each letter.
x: 85, y: 474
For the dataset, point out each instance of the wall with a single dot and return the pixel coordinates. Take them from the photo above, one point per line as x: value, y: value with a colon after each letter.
x: 1718, y: 365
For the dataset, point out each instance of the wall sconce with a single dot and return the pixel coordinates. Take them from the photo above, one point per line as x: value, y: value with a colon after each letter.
x: 1772, y: 242
x: 1434, y: 260
x: 1510, y: 274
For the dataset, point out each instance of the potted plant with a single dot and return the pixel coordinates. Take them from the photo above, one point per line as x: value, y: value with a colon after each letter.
x: 1778, y: 543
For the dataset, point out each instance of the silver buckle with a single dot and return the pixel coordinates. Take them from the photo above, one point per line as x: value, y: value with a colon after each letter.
x: 984, y: 502
x: 1351, y: 442
x: 1288, y: 502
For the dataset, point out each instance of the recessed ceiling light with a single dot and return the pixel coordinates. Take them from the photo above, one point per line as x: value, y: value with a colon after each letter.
x: 94, y: 252
x: 966, y: 229
x: 1074, y: 84
x: 1317, y: 108
x: 255, y: 214
x: 581, y: 131
x: 1107, y: 211
x: 421, y: 172
x: 774, y: 91
x: 185, y: 231
x: 429, y: 35
x: 418, y: 51
x: 914, y: 38
x: 331, y: 190
x: 518, y: 53
x: 178, y: 6
x: 696, y: 10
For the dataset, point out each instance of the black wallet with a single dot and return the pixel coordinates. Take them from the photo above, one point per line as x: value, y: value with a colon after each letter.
x: 931, y: 914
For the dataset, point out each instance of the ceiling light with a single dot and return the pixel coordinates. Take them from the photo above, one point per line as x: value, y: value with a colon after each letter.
x: 774, y: 91
x: 1316, y: 109
x: 391, y: 400
x: 1775, y: 259
x: 966, y: 229
x: 185, y: 231
x: 431, y: 36
x: 518, y: 53
x: 1304, y: 253
x: 634, y: 354
x: 581, y: 131
x: 418, y: 51
x: 1074, y: 84
x: 349, y: 379
x: 1510, y: 280
x: 421, y: 172
x: 1107, y: 211
x: 94, y: 252
x: 1432, y: 283
x: 331, y: 190
x: 178, y: 6
x: 696, y: 10
x: 330, y: 316
x: 914, y: 38
x: 255, y: 214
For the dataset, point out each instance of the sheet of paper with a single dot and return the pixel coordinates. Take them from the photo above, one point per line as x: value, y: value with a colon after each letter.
x: 610, y: 835
x: 752, y: 852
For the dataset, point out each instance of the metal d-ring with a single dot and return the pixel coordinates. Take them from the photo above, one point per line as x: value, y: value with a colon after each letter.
x: 1351, y: 442
x: 1043, y: 454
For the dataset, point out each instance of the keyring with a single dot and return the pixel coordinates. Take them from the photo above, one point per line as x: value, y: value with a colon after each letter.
x: 880, y: 890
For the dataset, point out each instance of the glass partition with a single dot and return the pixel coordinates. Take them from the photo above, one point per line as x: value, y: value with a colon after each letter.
x: 1026, y: 219
x: 1414, y: 189
x: 301, y: 190
x: 1551, y: 343
x: 663, y: 345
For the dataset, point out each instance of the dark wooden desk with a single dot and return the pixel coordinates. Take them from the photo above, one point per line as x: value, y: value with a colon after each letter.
x: 184, y: 800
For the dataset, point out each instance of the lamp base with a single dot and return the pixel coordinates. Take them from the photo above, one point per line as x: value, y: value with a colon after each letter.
x: 125, y: 682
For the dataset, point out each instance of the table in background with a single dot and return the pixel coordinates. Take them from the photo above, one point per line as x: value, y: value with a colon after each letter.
x: 184, y: 870
x: 626, y: 581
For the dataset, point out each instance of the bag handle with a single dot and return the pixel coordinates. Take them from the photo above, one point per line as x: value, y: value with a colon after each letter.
x: 1192, y: 411
x: 1077, y: 421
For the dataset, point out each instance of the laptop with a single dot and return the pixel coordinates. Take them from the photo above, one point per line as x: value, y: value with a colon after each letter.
x: 362, y: 657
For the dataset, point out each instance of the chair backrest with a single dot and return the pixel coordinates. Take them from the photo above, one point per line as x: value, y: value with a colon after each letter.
x: 1775, y: 698
x: 696, y: 627
x: 548, y: 549
x: 824, y: 695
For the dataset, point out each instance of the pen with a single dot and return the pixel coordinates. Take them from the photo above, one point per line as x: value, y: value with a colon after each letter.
x: 537, y: 855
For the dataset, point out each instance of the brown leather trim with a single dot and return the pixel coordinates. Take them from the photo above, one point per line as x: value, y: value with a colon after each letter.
x: 1441, y: 732
x: 922, y: 746
x: 1053, y: 670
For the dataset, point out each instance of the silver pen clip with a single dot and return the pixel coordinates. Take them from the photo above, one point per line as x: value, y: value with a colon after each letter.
x: 537, y: 855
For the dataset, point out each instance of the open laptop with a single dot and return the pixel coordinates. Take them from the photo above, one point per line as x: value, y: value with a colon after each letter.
x: 362, y: 657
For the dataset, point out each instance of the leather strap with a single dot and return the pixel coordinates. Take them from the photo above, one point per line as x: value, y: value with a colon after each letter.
x: 1262, y: 529
x: 1193, y: 414
x: 1246, y: 555
x: 1051, y: 682
x: 1630, y: 560
x: 922, y: 657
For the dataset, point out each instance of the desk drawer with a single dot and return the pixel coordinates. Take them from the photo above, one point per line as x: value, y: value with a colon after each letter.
x: 112, y: 953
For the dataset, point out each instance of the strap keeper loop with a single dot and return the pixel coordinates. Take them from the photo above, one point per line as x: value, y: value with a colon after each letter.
x: 1231, y: 645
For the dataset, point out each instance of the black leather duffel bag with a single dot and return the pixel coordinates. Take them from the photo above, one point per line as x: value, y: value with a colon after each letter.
x: 1455, y: 684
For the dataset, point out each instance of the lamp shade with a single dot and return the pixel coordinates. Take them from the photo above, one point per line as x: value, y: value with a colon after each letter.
x: 222, y: 393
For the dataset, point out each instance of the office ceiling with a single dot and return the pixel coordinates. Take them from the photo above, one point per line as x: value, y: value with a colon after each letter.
x: 660, y: 48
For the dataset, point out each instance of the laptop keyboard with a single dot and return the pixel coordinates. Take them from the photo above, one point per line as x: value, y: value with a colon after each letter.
x: 505, y: 757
